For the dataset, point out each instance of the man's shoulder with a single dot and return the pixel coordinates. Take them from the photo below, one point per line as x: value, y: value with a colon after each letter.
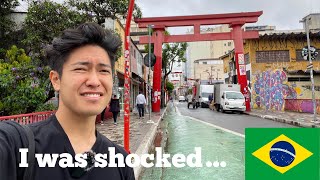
x: 42, y: 125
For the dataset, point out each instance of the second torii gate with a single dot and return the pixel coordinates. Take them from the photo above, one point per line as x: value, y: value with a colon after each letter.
x: 235, y: 21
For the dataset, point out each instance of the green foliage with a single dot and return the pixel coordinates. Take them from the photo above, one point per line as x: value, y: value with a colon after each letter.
x: 6, y: 24
x: 101, y: 9
x: 169, y: 86
x: 46, y: 107
x: 23, y: 86
x: 46, y: 20
x: 171, y: 53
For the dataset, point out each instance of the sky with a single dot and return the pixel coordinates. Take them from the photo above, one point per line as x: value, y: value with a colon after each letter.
x: 284, y: 14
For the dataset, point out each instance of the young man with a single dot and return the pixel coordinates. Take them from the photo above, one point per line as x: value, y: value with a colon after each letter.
x: 81, y: 60
x: 141, y: 101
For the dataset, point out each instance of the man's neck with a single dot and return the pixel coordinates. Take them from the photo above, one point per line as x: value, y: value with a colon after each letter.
x: 79, y: 129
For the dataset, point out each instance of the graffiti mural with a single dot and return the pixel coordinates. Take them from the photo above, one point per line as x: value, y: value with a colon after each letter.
x: 271, y: 89
x: 301, y: 105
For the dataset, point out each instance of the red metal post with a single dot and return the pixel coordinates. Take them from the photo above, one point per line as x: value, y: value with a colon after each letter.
x: 126, y: 129
x: 240, y: 62
x: 158, y: 36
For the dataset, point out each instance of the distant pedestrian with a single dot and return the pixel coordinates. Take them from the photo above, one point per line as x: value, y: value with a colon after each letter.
x: 140, y: 102
x: 210, y: 98
x: 115, y: 108
x: 102, y: 114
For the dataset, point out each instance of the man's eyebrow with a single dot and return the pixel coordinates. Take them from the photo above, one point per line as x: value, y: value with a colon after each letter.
x: 104, y: 65
x: 88, y: 63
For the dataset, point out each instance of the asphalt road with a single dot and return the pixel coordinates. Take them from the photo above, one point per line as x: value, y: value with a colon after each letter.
x: 232, y: 121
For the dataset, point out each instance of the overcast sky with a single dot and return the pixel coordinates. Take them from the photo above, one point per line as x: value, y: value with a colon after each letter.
x: 284, y: 14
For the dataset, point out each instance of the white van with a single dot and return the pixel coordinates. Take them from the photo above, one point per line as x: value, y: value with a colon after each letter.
x: 233, y: 101
x: 227, y: 97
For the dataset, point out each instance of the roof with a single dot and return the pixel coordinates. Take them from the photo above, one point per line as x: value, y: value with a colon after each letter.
x: 289, y: 34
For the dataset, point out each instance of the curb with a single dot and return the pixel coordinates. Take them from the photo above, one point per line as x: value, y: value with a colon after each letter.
x: 283, y: 120
x: 146, y: 144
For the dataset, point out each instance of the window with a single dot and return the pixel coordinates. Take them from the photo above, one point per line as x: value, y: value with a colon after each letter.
x: 305, y: 78
x: 246, y: 58
x: 272, y: 56
x: 229, y: 43
x: 218, y: 69
x: 204, y: 62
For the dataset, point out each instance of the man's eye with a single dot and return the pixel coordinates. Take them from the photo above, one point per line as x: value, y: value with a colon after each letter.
x: 79, y: 69
x: 105, y: 71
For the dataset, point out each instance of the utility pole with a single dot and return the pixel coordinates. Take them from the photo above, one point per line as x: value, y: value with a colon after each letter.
x: 149, y: 83
x: 306, y: 27
x: 211, y: 75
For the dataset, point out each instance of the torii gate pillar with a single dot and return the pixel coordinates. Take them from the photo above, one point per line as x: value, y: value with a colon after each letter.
x: 240, y: 62
x: 158, y: 35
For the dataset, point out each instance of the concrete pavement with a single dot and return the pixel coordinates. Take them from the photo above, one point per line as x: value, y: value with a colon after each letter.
x: 142, y: 134
x: 294, y: 118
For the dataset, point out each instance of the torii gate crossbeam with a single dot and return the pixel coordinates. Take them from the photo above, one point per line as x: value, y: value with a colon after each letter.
x: 235, y: 21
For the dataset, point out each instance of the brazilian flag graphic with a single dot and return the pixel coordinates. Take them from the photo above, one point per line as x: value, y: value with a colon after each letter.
x: 282, y: 153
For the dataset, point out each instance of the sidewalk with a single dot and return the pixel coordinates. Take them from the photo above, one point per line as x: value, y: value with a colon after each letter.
x: 294, y: 118
x: 142, y: 134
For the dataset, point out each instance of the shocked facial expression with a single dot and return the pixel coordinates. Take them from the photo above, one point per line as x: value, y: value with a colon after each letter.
x: 85, y: 86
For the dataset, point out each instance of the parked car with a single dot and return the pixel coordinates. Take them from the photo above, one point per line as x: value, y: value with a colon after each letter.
x: 182, y: 98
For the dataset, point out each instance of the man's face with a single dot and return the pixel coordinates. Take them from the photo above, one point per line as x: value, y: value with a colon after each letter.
x: 85, y: 87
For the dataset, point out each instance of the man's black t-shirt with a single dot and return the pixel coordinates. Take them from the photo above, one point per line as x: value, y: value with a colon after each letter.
x: 50, y: 138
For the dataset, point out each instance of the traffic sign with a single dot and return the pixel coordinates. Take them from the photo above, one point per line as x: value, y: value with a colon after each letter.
x: 310, y: 66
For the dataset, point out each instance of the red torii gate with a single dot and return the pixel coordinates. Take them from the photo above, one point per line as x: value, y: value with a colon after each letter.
x: 235, y: 21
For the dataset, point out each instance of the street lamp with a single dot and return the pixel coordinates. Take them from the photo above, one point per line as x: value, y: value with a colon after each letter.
x: 306, y: 27
x: 210, y: 76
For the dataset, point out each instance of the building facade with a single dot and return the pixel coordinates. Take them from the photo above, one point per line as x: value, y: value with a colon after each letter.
x: 206, y: 49
x: 209, y: 71
x: 276, y: 71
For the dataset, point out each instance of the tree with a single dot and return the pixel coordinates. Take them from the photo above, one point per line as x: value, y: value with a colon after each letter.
x: 22, y: 85
x: 169, y: 87
x: 171, y: 53
x: 6, y: 24
x: 102, y: 9
x: 45, y: 20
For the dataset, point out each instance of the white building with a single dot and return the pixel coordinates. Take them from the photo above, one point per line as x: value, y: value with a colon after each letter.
x: 207, y: 49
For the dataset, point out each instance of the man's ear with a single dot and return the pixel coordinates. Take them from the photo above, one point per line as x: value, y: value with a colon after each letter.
x: 55, y: 80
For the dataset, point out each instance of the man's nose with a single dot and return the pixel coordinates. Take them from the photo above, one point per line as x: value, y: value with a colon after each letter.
x: 93, y: 80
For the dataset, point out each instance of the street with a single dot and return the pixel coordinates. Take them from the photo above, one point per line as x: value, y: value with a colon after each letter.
x: 230, y: 120
x: 219, y: 135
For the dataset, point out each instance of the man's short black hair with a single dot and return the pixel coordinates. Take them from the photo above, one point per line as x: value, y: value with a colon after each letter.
x: 85, y: 34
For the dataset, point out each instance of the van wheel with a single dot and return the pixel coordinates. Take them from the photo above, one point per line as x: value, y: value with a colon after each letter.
x: 222, y: 110
x: 217, y: 107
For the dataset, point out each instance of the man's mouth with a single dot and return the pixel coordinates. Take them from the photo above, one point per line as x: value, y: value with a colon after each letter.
x: 92, y: 95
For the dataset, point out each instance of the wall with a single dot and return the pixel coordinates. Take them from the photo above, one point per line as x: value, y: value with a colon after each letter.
x: 301, y: 105
x: 270, y: 88
x: 217, y: 69
x: 119, y: 65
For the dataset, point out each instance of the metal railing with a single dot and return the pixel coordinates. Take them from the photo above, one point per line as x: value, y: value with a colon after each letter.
x: 28, y: 118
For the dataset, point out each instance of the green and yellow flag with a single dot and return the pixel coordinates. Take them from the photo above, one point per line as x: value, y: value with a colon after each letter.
x: 282, y: 153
